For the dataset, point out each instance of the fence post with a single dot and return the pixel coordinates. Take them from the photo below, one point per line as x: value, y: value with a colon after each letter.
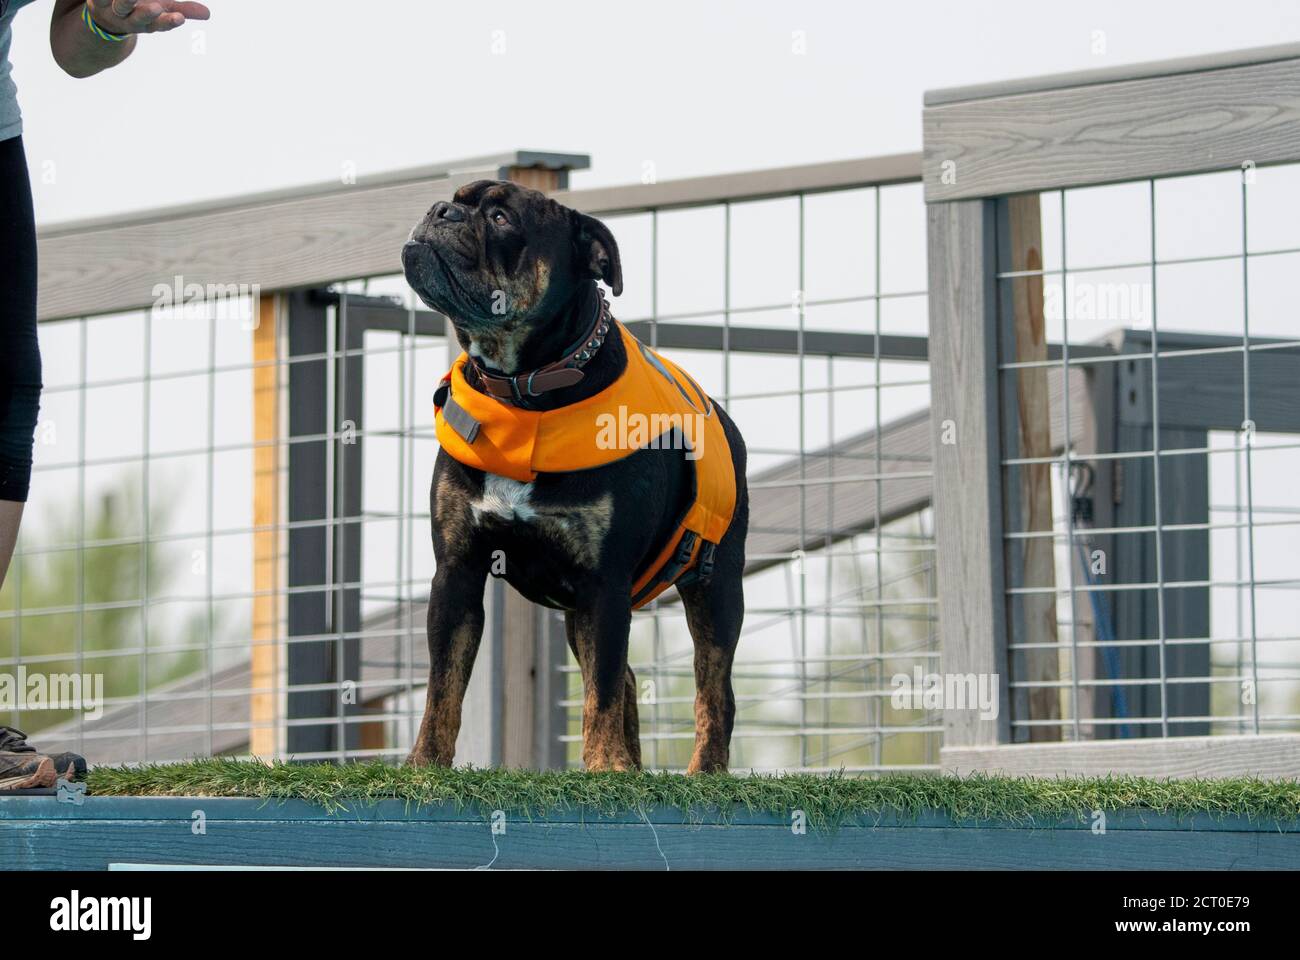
x: 309, y: 662
x: 1026, y: 432
x: 264, y: 706
x: 962, y: 256
x: 530, y: 659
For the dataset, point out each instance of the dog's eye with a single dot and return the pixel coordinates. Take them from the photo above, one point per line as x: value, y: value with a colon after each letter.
x: 500, y: 219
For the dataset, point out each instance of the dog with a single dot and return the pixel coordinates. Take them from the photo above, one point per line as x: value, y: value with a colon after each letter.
x: 517, y: 273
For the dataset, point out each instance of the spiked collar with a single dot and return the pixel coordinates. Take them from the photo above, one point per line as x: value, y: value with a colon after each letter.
x: 564, y: 372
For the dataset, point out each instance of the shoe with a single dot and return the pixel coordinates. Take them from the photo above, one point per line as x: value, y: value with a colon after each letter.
x: 21, y: 767
x: 69, y: 766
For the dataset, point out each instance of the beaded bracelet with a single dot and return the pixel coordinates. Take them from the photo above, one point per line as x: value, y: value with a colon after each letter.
x: 97, y: 30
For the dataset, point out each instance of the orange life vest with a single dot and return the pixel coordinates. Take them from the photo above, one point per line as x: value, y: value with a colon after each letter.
x: 653, y: 403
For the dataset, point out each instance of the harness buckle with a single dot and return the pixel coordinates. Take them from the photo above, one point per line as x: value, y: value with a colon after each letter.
x: 685, y: 548
x: 706, y: 561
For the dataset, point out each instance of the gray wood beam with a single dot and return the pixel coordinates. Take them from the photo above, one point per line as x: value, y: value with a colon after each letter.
x: 967, y: 459
x: 1084, y: 129
x: 1104, y: 75
x: 749, y: 185
x: 278, y: 240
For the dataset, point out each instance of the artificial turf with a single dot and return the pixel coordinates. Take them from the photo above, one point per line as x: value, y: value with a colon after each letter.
x: 826, y: 800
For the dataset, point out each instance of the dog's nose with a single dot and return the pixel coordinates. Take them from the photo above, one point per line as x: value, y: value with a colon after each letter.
x: 442, y: 210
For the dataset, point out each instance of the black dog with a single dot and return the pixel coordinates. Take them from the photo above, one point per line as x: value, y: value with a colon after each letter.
x: 516, y: 274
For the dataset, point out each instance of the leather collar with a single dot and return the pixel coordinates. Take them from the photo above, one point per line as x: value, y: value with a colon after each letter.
x: 564, y: 372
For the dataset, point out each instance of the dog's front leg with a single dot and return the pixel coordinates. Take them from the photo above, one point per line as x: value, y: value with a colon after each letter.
x: 455, y: 628
x: 600, y: 630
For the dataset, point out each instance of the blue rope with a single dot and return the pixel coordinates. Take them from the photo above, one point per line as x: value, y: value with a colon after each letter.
x: 1105, y: 633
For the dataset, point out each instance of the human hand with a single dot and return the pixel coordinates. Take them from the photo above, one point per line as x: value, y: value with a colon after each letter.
x: 145, y: 16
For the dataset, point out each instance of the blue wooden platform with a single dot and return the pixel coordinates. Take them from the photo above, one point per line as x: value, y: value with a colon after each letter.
x: 42, y: 833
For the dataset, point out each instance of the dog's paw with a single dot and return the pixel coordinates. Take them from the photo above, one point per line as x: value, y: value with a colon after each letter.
x: 703, y: 764
x: 615, y: 766
x: 421, y: 758
x: 602, y: 761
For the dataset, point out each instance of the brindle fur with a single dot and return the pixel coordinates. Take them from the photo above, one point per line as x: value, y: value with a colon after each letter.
x: 519, y: 295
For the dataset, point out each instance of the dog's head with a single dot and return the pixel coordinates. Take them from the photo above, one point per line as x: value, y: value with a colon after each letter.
x: 501, y: 260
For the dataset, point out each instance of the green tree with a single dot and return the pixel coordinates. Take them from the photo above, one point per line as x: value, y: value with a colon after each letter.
x: 88, y: 601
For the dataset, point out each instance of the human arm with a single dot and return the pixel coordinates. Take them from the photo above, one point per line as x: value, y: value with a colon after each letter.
x: 82, y: 53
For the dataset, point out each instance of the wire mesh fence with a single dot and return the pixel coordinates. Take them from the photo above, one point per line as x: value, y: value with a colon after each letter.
x: 132, y: 567
x: 230, y: 524
x: 840, y: 595
x: 1164, y: 601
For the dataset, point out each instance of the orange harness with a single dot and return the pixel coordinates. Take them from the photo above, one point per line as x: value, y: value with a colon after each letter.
x: 654, y: 403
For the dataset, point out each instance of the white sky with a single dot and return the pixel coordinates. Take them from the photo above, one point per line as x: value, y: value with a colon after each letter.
x: 288, y: 92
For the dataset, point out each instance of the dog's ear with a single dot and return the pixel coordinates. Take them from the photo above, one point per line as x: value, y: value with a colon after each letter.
x: 597, y: 251
x: 469, y: 194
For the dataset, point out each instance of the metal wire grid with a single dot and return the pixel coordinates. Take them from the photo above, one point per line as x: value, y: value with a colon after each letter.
x: 80, y: 652
x: 1243, y: 524
x: 818, y: 683
x: 142, y: 729
x: 403, y: 589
